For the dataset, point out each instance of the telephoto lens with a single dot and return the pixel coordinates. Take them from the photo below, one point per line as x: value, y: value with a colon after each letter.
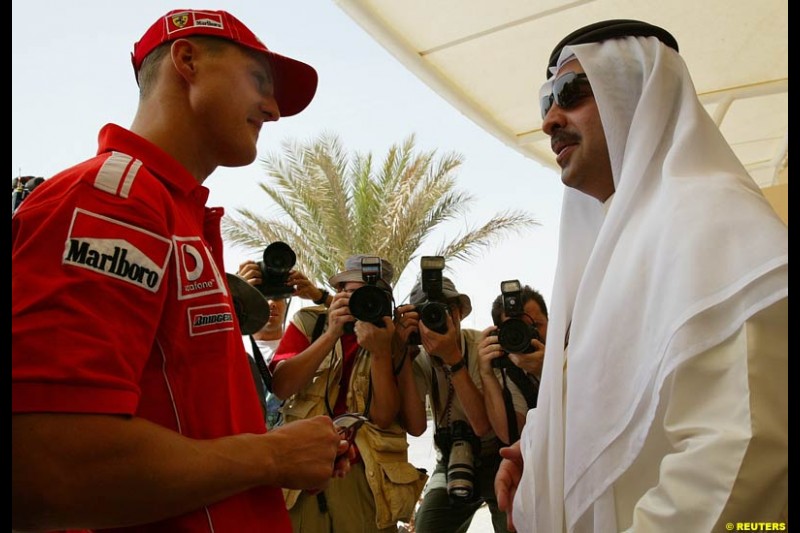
x: 461, y: 462
x: 461, y: 471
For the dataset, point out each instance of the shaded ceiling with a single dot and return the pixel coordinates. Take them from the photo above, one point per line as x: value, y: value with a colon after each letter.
x: 488, y: 59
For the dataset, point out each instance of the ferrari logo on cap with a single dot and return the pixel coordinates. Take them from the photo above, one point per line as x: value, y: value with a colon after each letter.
x: 179, y: 21
x: 194, y: 19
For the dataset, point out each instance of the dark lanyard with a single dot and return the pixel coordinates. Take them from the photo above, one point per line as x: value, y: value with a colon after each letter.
x: 261, y: 364
x: 450, y: 390
x: 360, y: 352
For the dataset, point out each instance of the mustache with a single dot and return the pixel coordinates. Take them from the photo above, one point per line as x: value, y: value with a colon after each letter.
x: 564, y: 137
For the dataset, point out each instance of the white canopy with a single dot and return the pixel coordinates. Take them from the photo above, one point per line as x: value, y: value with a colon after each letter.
x: 488, y: 59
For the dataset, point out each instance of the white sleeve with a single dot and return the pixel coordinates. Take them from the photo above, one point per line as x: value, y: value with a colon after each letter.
x: 248, y: 346
x: 723, y: 440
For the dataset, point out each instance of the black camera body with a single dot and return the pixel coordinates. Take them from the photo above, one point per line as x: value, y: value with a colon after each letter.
x: 434, y: 310
x: 459, y: 446
x: 371, y: 303
x: 278, y: 261
x: 516, y: 332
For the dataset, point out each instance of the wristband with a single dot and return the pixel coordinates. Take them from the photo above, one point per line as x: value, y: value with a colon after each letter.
x: 456, y: 367
x: 323, y: 298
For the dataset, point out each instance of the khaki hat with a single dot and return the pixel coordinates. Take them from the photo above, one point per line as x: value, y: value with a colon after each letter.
x: 449, y: 292
x: 352, y: 272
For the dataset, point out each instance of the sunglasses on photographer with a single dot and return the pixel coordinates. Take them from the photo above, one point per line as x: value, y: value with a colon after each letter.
x: 566, y: 91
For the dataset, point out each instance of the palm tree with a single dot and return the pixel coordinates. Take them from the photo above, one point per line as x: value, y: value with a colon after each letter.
x: 334, y: 206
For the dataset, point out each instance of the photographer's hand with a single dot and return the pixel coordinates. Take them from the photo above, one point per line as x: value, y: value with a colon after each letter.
x: 376, y: 340
x: 250, y: 272
x: 447, y: 345
x: 531, y: 363
x: 406, y: 322
x: 303, y: 287
x: 339, y: 314
x: 488, y: 349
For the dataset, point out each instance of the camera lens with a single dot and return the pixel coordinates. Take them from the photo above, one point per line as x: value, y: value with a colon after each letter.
x: 370, y: 304
x: 434, y: 316
x: 278, y: 261
x: 279, y: 257
x: 515, y: 336
x: 461, y: 471
x: 461, y: 461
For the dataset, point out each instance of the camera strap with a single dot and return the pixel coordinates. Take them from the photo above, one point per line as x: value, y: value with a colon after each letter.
x: 261, y: 364
x: 438, y: 411
x: 322, y: 320
x: 511, y: 413
x: 529, y: 387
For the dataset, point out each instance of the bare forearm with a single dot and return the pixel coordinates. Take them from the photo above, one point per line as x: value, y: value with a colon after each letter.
x: 292, y: 375
x: 133, y: 472
x: 96, y: 471
x: 495, y: 406
x: 385, y: 396
x: 472, y: 401
x: 412, y: 408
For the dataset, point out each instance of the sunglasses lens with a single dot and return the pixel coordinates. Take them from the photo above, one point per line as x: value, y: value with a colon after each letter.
x: 568, y: 90
x: 546, y: 103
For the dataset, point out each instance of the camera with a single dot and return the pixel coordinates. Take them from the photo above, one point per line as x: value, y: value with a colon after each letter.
x: 434, y: 310
x: 371, y: 303
x: 460, y: 445
x: 278, y: 261
x: 517, y: 330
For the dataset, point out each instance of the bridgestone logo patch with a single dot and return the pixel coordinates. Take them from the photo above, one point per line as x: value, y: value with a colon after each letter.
x: 210, y: 318
x: 117, y: 249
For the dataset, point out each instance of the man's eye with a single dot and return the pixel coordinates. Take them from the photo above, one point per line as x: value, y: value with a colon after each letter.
x: 263, y: 82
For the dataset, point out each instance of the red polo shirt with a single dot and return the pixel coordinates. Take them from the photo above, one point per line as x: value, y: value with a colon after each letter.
x: 120, y: 306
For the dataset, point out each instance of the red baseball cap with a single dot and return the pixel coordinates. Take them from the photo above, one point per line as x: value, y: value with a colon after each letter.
x: 295, y: 81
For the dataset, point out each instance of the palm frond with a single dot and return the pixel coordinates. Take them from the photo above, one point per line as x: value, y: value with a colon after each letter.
x: 331, y: 204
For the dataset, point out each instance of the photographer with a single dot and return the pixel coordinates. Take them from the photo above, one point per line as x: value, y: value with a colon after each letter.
x: 330, y: 362
x: 446, y: 371
x: 21, y: 188
x: 511, y: 380
x: 267, y: 338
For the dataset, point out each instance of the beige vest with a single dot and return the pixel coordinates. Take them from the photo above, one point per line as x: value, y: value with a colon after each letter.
x: 395, y: 483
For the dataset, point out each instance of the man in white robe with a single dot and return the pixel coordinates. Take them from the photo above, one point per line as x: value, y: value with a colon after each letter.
x: 665, y: 408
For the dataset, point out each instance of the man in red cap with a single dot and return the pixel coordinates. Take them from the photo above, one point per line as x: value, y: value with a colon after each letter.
x: 144, y: 415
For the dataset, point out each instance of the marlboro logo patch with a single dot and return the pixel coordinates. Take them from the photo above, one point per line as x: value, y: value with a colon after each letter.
x: 116, y: 249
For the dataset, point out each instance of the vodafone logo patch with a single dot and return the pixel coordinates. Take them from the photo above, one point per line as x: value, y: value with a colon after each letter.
x: 197, y: 272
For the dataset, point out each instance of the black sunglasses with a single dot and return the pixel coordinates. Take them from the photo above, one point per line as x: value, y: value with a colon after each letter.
x: 347, y: 425
x: 567, y: 90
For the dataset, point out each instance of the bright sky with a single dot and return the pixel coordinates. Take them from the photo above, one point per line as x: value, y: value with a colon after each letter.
x: 71, y: 74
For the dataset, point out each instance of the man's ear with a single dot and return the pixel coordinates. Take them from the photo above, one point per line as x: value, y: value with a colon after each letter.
x: 184, y: 54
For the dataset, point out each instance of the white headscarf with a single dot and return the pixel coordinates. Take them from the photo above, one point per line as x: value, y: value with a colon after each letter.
x: 688, y: 251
